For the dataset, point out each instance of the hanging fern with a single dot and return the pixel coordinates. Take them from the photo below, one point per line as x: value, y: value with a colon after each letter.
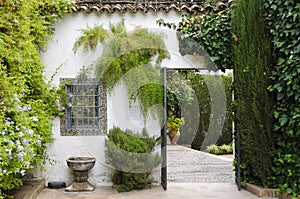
x: 130, y: 56
x: 90, y: 38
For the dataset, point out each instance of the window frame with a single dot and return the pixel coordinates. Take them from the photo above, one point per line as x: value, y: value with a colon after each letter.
x: 66, y: 129
x: 94, y: 95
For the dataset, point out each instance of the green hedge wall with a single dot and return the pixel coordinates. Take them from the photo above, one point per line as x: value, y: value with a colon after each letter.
x: 253, y: 103
x: 199, y: 83
x: 283, y: 22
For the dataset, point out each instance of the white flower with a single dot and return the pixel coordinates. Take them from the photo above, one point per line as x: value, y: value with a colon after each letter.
x: 29, y: 131
x: 21, y: 155
x: 35, y: 119
x: 20, y: 148
x: 9, y: 151
x: 25, y: 142
x: 27, y: 164
x: 23, y: 172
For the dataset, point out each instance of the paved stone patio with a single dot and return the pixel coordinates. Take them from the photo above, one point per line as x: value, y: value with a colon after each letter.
x: 192, y: 175
x: 190, y: 166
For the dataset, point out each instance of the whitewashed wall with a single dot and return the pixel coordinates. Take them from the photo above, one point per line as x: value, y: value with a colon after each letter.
x: 60, y: 52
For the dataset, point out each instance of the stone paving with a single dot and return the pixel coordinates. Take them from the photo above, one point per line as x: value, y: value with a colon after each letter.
x: 191, y: 174
x: 191, y: 166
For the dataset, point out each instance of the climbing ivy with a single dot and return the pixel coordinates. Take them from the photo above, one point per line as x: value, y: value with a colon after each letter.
x: 207, y: 34
x: 27, y: 102
x: 283, y: 22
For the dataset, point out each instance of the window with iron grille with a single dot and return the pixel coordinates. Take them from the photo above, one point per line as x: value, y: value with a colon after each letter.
x: 86, y: 111
x: 83, y: 110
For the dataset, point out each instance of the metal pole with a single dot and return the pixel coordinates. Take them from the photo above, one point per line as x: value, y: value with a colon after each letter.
x: 164, y: 134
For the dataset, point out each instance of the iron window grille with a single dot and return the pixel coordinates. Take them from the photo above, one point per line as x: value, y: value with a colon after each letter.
x: 84, y: 106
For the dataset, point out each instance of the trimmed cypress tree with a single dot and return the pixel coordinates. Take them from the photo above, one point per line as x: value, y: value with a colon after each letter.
x: 131, y: 157
x: 252, y: 60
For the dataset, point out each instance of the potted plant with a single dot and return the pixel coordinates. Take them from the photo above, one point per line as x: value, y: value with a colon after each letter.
x: 173, y: 126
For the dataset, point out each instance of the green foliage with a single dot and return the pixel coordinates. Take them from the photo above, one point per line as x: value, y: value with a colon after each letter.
x: 174, y: 123
x: 253, y: 103
x: 131, y: 157
x: 179, y: 92
x: 213, y: 149
x: 226, y: 149
x: 283, y: 22
x: 200, y: 84
x: 207, y: 35
x: 219, y: 150
x: 27, y: 102
x: 90, y: 38
x: 128, y: 56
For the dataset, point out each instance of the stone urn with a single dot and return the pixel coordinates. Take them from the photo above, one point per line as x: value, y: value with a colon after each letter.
x: 81, y: 167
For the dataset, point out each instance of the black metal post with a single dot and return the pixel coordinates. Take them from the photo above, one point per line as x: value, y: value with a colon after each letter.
x: 164, y: 180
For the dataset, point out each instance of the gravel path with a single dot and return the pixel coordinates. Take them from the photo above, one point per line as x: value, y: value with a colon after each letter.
x: 190, y: 166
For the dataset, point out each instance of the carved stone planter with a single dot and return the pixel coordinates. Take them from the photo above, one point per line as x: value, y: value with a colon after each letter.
x: 81, y: 167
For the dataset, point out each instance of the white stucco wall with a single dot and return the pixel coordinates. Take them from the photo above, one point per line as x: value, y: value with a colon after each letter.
x: 60, y: 52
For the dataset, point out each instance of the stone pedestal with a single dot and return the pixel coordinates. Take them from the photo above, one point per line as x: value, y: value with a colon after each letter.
x: 81, y: 167
x: 80, y: 186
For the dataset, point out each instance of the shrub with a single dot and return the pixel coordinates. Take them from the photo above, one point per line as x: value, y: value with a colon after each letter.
x: 214, y: 149
x: 219, y: 150
x: 227, y: 149
x: 174, y: 123
x: 131, y: 157
x: 27, y: 102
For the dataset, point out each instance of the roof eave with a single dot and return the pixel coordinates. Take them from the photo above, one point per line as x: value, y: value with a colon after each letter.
x: 111, y: 6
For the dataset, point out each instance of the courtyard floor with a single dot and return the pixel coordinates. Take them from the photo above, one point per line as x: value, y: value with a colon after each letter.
x: 191, y: 174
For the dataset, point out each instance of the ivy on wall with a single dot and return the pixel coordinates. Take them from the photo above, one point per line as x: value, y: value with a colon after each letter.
x: 27, y: 102
x: 283, y: 22
x: 207, y: 35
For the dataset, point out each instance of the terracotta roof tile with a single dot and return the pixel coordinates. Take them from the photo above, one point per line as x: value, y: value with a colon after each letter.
x: 111, y: 6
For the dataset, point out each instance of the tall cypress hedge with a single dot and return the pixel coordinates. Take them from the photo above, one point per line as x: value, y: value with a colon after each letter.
x: 199, y: 83
x: 252, y: 59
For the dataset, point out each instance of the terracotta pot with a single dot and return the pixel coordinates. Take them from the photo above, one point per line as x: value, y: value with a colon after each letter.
x: 174, y: 136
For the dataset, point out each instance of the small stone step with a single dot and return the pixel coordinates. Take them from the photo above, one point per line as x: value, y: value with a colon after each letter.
x: 29, y: 190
